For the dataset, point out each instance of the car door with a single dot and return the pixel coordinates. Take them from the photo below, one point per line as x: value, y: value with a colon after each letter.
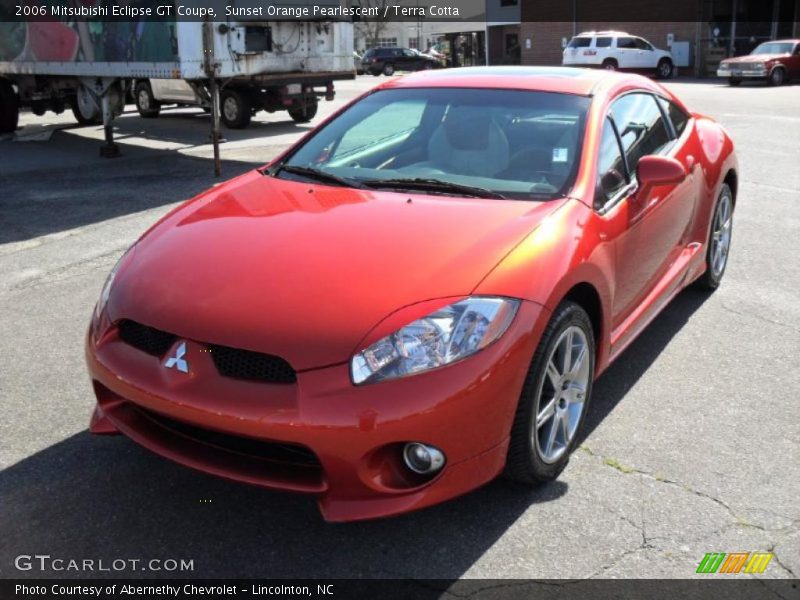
x: 411, y: 60
x: 626, y: 53
x: 653, y: 223
x: 794, y: 63
x: 645, y: 54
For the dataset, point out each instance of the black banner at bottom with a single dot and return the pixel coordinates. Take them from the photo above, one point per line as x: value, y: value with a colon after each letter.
x: 390, y: 589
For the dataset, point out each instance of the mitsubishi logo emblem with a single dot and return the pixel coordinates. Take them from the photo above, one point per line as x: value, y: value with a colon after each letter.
x: 177, y: 361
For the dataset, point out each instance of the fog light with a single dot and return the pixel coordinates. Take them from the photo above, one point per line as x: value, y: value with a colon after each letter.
x: 422, y: 459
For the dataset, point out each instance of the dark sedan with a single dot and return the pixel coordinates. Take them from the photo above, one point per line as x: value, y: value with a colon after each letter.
x: 389, y: 60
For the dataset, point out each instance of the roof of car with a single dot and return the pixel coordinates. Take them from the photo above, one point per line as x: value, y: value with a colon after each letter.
x: 565, y: 80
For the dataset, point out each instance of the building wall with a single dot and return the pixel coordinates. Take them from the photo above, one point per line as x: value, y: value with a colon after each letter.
x: 497, y: 13
x: 545, y: 38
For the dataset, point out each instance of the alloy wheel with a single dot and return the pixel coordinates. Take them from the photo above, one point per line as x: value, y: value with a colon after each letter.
x: 721, y: 235
x: 561, y: 396
x: 230, y: 108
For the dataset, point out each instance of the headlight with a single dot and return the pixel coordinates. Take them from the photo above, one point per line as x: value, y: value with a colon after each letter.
x: 106, y: 291
x: 443, y: 337
x: 759, y: 66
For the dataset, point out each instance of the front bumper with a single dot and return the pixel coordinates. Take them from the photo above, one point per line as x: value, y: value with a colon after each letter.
x: 742, y: 73
x: 322, y: 435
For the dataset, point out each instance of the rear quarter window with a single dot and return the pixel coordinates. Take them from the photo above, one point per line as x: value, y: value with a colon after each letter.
x: 676, y: 114
x: 580, y: 42
x: 603, y: 42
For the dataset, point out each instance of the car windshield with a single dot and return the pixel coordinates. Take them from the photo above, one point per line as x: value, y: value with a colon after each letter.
x: 773, y: 48
x: 492, y: 142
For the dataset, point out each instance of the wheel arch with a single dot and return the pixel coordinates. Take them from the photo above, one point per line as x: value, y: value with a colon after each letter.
x: 732, y: 179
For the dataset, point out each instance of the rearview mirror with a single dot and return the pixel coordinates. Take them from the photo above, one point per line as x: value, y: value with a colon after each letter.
x: 658, y: 170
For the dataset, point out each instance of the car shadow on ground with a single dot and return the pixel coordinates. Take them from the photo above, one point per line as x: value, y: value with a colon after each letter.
x: 123, y: 501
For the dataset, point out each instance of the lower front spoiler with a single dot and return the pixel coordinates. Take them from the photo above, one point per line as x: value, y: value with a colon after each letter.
x: 120, y: 416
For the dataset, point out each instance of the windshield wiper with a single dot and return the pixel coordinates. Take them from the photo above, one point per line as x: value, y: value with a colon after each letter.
x: 434, y: 185
x: 321, y: 176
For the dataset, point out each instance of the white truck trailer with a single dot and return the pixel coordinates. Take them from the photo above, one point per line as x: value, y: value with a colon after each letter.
x: 241, y: 66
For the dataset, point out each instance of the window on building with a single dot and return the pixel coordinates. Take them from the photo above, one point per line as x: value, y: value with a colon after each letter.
x: 386, y: 42
x: 509, y: 2
x: 611, y: 173
x: 641, y: 127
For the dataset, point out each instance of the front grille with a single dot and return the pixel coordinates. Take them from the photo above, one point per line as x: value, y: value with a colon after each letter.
x: 262, y: 449
x: 144, y: 338
x: 230, y: 362
x: 244, y: 364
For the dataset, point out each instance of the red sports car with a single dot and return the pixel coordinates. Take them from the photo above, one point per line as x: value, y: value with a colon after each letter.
x: 417, y: 296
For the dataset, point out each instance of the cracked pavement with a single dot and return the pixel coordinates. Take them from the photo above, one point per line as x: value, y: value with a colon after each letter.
x: 692, y: 444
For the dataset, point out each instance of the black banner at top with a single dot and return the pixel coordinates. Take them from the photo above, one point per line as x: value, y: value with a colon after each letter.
x: 468, y: 11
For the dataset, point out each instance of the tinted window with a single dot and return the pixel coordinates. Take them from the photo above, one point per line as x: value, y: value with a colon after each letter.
x: 641, y: 44
x: 523, y: 145
x: 626, y: 42
x: 603, y: 42
x: 580, y: 42
x: 641, y: 126
x: 611, y: 174
x: 676, y: 115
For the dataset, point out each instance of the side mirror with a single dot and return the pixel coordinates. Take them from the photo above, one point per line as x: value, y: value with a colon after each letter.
x: 655, y: 170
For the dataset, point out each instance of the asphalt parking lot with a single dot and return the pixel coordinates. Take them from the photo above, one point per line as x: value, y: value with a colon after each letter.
x: 692, y: 443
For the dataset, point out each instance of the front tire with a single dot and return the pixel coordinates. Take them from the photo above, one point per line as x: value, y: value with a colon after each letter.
x: 719, y: 241
x: 235, y: 109
x: 554, y: 399
x: 146, y: 103
x: 388, y: 70
x: 664, y: 69
x: 734, y: 81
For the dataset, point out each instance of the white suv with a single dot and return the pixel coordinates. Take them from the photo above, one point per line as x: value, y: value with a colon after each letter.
x: 617, y: 50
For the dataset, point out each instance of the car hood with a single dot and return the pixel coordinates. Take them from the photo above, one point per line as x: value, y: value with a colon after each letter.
x: 752, y: 58
x: 306, y: 271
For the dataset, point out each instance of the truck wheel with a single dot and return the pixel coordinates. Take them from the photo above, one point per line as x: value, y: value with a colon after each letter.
x: 85, y: 108
x: 146, y: 103
x: 664, y: 69
x: 235, y: 109
x: 299, y: 117
x: 9, y: 107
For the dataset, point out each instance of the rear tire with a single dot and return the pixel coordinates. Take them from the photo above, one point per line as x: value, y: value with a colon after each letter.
x: 85, y: 108
x: 9, y: 107
x: 146, y: 104
x: 734, y: 81
x: 719, y: 240
x: 664, y: 69
x: 299, y: 116
x: 235, y: 109
x: 610, y: 64
x: 554, y: 400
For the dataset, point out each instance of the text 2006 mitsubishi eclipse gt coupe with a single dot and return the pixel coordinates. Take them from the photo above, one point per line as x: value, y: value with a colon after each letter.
x: 418, y: 295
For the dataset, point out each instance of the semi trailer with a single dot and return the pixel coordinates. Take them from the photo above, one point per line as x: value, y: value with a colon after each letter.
x: 237, y: 66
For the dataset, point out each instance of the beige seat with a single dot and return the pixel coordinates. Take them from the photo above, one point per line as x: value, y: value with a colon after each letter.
x: 468, y: 142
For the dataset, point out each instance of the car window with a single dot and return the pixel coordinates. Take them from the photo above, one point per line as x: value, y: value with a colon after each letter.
x: 642, y: 45
x: 603, y: 42
x: 519, y: 144
x: 580, y: 42
x: 640, y: 125
x: 409, y: 53
x: 611, y: 173
x: 391, y: 121
x: 626, y: 42
x: 676, y: 114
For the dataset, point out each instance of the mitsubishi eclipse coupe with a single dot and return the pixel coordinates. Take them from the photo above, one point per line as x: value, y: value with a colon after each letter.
x: 418, y: 295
